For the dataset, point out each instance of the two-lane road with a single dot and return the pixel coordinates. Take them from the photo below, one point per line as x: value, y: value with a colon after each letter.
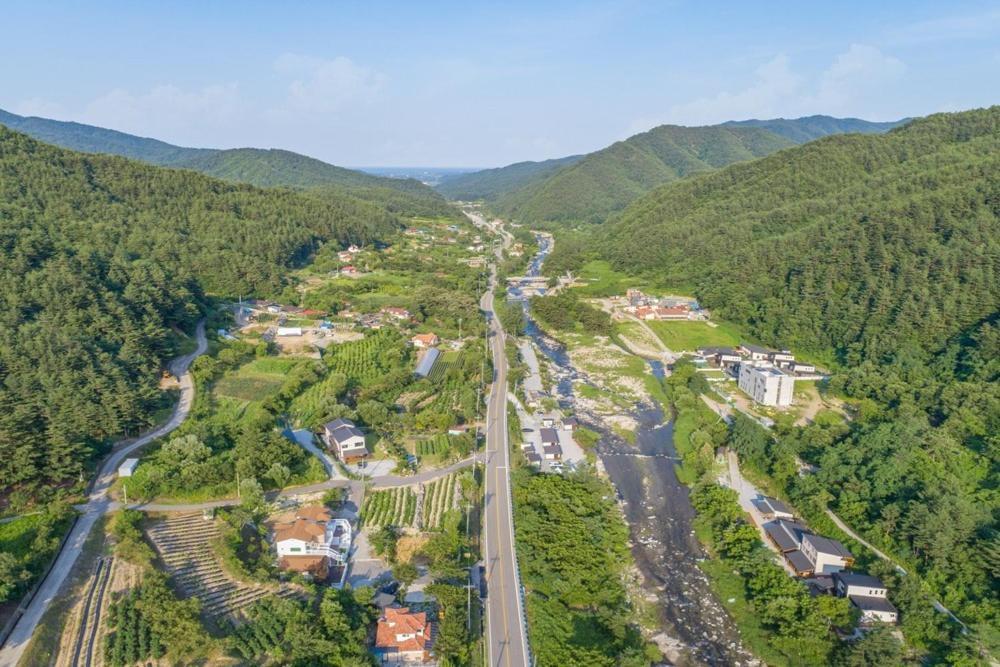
x: 507, y: 643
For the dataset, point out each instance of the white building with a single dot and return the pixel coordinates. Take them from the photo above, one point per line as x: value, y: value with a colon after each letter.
x: 826, y: 556
x: 766, y: 384
x: 314, y: 543
x: 868, y: 594
x: 289, y: 331
x: 127, y: 468
x: 346, y: 439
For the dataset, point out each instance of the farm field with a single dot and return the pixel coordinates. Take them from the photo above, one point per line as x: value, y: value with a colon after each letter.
x: 392, y: 507
x: 686, y: 336
x: 184, y: 544
x: 256, y: 380
x: 439, y: 497
x: 447, y: 359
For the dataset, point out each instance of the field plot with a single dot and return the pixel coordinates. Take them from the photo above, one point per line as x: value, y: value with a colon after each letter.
x: 437, y: 445
x: 393, y: 507
x: 686, y: 335
x: 84, y: 636
x: 184, y: 543
x: 256, y: 380
x: 440, y: 496
x: 447, y: 360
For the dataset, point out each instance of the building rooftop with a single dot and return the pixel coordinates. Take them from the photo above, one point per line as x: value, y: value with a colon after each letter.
x: 749, y: 347
x: 869, y: 603
x: 399, y: 629
x: 300, y: 529
x: 769, y: 505
x: 798, y: 561
x: 337, y: 423
x: 827, y: 546
x: 549, y: 435
x: 345, y: 433
x: 858, y: 579
x: 786, y: 534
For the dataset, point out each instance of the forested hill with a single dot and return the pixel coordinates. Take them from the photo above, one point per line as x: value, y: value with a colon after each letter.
x: 882, y: 254
x: 489, y: 184
x: 808, y: 128
x: 597, y: 186
x: 262, y: 167
x: 856, y: 243
x: 604, y: 182
x: 99, y: 256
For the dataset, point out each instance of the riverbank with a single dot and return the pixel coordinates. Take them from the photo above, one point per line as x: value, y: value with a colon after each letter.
x: 620, y: 396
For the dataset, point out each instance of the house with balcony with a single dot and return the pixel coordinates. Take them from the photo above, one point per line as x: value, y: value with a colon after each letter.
x: 314, y: 543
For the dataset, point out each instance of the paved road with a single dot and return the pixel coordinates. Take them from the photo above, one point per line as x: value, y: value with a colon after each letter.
x: 387, y: 482
x: 97, y: 504
x: 507, y: 643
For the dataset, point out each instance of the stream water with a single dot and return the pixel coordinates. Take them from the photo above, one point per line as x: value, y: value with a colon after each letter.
x: 659, y: 513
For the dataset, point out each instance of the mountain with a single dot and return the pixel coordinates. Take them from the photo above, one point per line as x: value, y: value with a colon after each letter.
x: 851, y: 241
x: 808, y: 128
x: 489, y: 184
x: 879, y: 254
x: 596, y: 186
x: 261, y: 167
x: 604, y: 182
x: 100, y: 257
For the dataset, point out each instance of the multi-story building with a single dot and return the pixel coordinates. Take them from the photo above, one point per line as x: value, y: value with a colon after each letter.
x: 766, y: 384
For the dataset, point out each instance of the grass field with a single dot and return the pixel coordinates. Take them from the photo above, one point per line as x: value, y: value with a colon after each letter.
x: 687, y: 335
x: 256, y: 380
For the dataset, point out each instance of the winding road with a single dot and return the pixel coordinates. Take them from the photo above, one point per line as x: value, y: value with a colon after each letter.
x: 97, y: 505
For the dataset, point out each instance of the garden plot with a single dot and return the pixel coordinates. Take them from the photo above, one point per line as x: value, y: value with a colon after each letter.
x: 184, y: 544
x: 392, y: 507
x: 439, y: 496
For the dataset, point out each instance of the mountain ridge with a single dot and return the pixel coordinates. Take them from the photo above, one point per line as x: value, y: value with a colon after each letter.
x: 263, y: 167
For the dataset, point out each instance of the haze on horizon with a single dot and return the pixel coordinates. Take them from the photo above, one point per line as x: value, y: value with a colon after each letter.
x: 442, y: 84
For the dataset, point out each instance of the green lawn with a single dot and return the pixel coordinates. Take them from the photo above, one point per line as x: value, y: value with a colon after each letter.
x: 687, y: 335
x: 255, y: 381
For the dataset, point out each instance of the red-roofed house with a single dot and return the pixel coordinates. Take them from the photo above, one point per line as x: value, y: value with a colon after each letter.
x: 424, y: 341
x: 403, y: 637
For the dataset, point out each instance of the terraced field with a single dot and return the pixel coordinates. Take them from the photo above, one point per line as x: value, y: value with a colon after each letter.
x: 184, y: 544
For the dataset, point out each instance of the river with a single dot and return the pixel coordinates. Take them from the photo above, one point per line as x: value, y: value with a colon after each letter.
x: 659, y: 514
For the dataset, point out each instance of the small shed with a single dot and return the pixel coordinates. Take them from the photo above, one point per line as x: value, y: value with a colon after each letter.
x: 289, y: 331
x: 127, y: 468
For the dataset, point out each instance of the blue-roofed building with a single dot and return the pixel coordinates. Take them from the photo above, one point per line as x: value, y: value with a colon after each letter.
x: 427, y: 361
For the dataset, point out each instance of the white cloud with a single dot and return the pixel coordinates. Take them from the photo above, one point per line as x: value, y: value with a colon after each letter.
x: 36, y: 106
x: 948, y: 28
x: 855, y: 76
x: 167, y: 110
x: 324, y: 86
x: 859, y: 71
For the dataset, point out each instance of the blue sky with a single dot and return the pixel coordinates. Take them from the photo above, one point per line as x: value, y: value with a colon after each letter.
x: 484, y: 84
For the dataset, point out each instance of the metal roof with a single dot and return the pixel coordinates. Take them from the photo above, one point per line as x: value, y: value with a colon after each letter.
x: 427, y: 361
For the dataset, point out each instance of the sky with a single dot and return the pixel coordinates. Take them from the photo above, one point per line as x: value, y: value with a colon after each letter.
x: 467, y: 84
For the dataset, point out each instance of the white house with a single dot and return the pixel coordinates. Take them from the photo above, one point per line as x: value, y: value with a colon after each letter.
x: 346, y: 439
x: 766, y: 384
x: 868, y: 594
x: 313, y: 542
x: 754, y: 352
x: 826, y: 556
x: 127, y: 468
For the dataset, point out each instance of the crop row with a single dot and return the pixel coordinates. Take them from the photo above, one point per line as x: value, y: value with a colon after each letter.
x: 393, y: 507
x: 439, y: 497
